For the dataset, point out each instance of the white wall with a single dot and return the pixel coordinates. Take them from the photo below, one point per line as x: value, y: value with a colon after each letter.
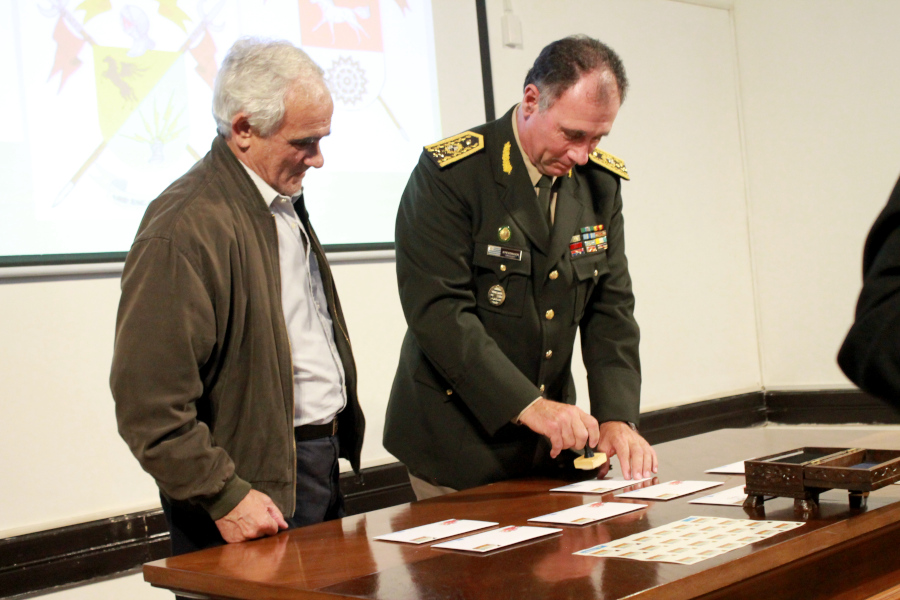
x: 61, y: 460
x: 820, y: 84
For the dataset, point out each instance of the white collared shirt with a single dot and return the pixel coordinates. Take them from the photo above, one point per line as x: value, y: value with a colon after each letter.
x: 319, y: 392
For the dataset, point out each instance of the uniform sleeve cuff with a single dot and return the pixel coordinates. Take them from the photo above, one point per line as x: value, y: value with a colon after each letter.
x: 517, y: 420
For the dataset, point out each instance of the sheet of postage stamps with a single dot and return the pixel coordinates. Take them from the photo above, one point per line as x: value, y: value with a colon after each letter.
x: 690, y: 540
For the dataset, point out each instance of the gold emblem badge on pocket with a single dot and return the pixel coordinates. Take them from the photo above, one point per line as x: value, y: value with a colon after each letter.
x: 497, y: 295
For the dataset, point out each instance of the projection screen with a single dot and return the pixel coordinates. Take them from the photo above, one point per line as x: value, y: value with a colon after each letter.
x: 110, y: 102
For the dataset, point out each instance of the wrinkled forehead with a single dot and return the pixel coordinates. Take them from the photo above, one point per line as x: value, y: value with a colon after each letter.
x: 307, y: 116
x: 310, y: 90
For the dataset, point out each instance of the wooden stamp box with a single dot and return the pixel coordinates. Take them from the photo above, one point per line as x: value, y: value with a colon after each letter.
x: 804, y: 473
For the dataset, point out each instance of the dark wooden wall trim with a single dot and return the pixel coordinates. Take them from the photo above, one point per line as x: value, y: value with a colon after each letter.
x: 62, y: 556
x: 829, y: 407
x: 744, y: 410
x: 89, y: 551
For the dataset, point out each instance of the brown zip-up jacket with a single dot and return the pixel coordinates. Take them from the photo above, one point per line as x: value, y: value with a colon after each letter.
x: 201, y: 375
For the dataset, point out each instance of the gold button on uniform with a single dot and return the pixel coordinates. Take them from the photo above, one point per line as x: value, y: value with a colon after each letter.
x: 554, y: 274
x: 449, y: 392
x: 549, y: 314
x: 503, y: 268
x: 542, y: 388
x: 548, y: 353
x: 596, y: 272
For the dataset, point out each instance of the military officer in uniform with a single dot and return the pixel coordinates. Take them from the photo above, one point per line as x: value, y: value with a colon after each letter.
x: 509, y: 240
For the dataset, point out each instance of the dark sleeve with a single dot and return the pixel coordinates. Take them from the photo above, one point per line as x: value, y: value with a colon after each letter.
x: 870, y: 356
x: 610, y: 334
x: 434, y: 273
x: 165, y: 331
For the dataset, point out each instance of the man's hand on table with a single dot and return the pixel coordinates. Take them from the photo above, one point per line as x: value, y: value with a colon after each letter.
x: 636, y: 457
x: 565, y: 425
x: 255, y: 516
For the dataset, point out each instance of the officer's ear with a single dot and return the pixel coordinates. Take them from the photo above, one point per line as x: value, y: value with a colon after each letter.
x: 531, y: 99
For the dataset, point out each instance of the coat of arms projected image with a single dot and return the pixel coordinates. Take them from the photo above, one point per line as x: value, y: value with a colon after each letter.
x: 112, y: 101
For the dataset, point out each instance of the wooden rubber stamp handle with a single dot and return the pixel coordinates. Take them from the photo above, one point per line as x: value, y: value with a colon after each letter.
x: 591, y: 460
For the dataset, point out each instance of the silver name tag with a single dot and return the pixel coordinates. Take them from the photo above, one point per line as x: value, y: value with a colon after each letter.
x: 501, y: 252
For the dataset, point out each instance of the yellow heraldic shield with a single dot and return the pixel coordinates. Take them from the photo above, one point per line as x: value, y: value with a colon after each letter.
x: 92, y: 8
x: 123, y: 82
x: 142, y: 56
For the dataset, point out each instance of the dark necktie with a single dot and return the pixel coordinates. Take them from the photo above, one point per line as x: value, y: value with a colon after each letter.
x: 544, y: 197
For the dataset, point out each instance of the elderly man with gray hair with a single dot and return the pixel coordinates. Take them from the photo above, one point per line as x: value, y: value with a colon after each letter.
x: 232, y: 374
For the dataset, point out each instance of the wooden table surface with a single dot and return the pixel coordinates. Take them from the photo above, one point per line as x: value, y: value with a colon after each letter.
x: 839, y: 553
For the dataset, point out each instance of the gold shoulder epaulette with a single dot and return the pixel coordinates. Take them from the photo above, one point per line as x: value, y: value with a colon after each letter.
x: 455, y: 148
x: 609, y: 162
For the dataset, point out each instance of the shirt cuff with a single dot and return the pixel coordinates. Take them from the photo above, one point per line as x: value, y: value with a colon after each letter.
x: 519, y: 416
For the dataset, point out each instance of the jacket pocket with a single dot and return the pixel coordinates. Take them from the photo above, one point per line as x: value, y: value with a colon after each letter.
x: 428, y: 376
x: 501, y: 282
x: 588, y: 271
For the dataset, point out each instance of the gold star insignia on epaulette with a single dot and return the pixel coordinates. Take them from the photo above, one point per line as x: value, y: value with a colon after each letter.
x: 455, y: 148
x: 609, y: 162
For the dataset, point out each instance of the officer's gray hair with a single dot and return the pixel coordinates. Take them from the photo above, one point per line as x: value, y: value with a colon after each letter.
x: 254, y: 79
x: 561, y: 64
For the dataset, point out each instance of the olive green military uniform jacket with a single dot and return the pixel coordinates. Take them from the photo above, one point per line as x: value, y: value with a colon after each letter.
x: 201, y: 374
x: 493, y: 299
